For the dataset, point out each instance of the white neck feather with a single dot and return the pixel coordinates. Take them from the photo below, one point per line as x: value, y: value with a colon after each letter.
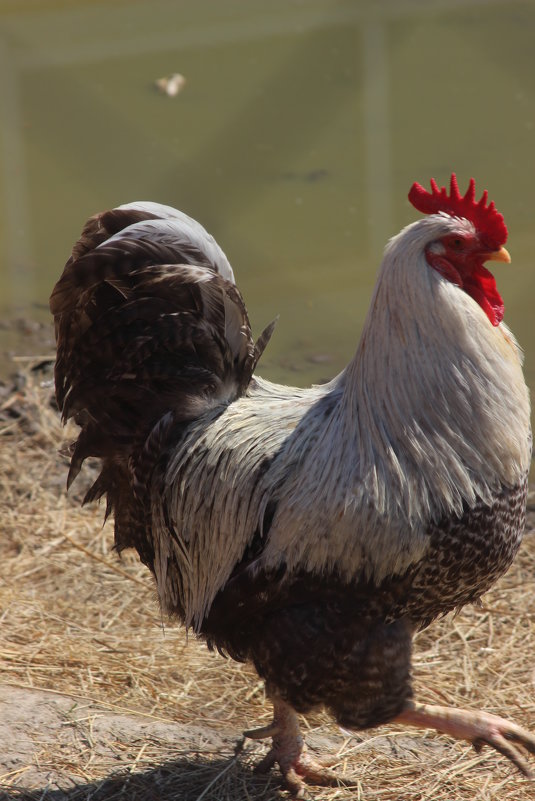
x: 438, y: 395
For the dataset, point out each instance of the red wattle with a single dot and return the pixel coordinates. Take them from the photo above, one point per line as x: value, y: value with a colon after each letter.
x: 481, y: 286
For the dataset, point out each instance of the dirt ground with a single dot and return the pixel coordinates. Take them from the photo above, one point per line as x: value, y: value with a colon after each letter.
x: 100, y: 699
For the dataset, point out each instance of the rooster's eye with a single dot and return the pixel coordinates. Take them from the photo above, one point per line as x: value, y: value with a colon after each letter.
x: 454, y: 243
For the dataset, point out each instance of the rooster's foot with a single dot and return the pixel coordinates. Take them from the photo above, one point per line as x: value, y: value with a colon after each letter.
x: 479, y: 728
x: 289, y: 750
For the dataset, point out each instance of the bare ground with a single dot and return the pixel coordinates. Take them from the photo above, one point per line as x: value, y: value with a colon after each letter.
x: 100, y: 700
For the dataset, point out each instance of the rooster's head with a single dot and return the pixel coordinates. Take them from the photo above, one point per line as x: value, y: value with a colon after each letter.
x: 474, y: 233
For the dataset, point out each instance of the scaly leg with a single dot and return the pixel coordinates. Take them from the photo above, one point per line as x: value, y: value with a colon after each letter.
x: 290, y: 751
x: 479, y: 728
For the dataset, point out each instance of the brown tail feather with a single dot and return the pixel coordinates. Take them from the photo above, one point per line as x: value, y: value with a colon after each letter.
x: 145, y: 342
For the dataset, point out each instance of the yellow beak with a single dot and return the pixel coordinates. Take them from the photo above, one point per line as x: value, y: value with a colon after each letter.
x: 499, y: 255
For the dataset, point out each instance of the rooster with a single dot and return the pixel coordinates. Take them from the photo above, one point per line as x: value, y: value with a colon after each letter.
x: 310, y: 532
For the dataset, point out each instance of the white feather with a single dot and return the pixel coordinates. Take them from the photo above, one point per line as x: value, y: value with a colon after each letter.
x: 173, y: 227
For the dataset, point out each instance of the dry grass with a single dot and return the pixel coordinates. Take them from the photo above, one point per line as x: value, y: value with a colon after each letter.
x: 82, y: 627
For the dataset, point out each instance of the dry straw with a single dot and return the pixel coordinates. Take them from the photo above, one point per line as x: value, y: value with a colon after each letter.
x: 116, y: 704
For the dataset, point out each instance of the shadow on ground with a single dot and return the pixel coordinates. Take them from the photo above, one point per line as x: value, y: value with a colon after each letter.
x: 193, y: 779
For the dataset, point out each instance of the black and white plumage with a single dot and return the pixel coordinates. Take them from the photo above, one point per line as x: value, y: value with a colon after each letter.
x: 309, y: 531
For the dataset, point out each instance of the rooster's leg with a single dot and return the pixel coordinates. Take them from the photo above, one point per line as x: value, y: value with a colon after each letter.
x: 479, y: 728
x: 290, y: 751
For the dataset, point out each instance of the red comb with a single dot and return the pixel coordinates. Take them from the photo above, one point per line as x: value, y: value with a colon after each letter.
x: 485, y: 218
